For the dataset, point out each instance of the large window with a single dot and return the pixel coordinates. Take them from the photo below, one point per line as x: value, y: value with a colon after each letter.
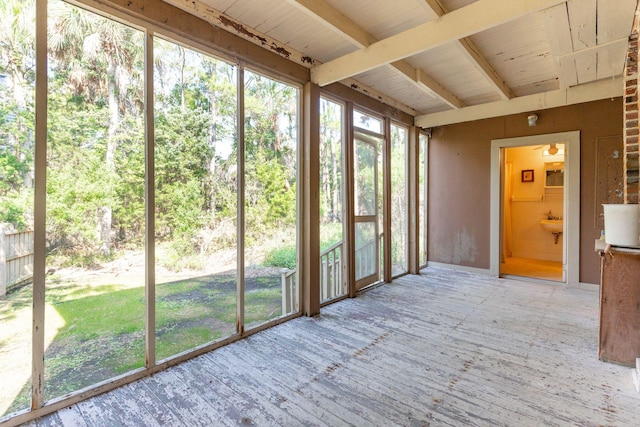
x: 399, y: 208
x: 103, y: 255
x: 270, y: 198
x: 95, y: 200
x: 168, y: 226
x: 423, y: 163
x: 17, y: 118
x: 195, y: 198
x: 332, y: 283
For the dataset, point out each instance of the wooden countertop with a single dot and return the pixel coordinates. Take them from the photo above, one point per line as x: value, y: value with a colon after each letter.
x: 602, y: 246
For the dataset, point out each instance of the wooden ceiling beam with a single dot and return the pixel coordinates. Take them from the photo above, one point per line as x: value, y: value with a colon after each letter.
x: 472, y: 53
x: 460, y: 23
x: 220, y: 20
x: 601, y: 89
x: 331, y: 17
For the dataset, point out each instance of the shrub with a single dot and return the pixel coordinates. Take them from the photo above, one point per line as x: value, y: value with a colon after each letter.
x: 284, y: 257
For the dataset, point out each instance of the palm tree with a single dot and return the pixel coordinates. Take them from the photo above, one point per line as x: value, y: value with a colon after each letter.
x: 99, y: 58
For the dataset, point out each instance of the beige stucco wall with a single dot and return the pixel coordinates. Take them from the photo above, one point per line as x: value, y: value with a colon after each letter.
x: 459, y: 179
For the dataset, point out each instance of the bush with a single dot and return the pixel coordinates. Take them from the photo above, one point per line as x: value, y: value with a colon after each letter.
x: 281, y: 257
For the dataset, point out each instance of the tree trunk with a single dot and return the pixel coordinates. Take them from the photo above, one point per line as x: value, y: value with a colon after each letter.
x: 106, y: 211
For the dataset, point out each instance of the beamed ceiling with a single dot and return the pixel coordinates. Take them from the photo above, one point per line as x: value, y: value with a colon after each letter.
x: 444, y: 61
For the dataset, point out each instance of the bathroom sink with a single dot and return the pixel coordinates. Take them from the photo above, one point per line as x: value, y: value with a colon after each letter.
x: 552, y: 225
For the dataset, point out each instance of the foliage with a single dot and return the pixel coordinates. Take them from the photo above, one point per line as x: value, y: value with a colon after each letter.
x: 96, y: 150
x: 284, y: 257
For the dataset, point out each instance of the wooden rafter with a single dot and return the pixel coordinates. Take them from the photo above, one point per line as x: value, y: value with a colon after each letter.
x: 329, y: 16
x: 601, y: 89
x: 472, y: 53
x: 220, y: 20
x: 460, y: 23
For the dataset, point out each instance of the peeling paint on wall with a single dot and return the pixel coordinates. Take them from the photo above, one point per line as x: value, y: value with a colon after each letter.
x: 464, y: 248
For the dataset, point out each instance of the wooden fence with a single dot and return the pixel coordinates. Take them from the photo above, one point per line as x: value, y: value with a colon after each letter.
x: 16, y: 258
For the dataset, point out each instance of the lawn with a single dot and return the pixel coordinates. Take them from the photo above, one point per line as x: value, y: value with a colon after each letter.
x: 101, y: 328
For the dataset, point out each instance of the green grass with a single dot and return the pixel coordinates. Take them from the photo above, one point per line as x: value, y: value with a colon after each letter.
x: 102, y: 334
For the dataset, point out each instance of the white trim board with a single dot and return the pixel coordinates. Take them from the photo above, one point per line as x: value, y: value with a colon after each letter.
x: 571, y: 233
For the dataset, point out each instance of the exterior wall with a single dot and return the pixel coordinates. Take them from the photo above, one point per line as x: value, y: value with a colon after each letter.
x: 631, y: 165
x: 459, y: 179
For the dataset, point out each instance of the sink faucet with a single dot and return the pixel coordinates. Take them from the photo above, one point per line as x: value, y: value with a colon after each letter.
x: 550, y: 215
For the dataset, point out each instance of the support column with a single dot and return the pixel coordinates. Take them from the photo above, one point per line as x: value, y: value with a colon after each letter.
x: 631, y: 130
x: 310, y: 245
x: 413, y: 201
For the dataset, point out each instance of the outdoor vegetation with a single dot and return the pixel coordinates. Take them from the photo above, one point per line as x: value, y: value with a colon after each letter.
x: 96, y: 196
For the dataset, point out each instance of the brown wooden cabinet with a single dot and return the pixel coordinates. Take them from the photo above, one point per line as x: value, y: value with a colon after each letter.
x: 619, y: 306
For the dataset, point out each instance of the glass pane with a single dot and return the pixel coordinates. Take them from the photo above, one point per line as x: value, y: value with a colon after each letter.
x: 365, y: 254
x: 270, y: 256
x: 364, y: 178
x: 17, y: 98
x: 196, y: 198
x: 367, y: 122
x: 399, y: 209
x: 422, y: 190
x: 95, y: 200
x: 331, y: 214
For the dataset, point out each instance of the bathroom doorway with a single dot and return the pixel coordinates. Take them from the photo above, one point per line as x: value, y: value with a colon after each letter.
x: 533, y: 211
x: 535, y: 199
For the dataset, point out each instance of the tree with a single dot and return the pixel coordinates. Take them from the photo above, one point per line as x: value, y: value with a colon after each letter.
x: 16, y: 110
x: 102, y: 60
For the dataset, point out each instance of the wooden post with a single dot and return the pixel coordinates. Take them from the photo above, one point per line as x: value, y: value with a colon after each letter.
x: 3, y: 265
x: 150, y: 254
x: 413, y: 201
x: 39, y: 209
x: 310, y: 214
x: 348, y: 255
x: 386, y: 201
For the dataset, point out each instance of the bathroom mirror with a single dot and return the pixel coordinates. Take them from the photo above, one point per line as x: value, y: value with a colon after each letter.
x: 554, y: 174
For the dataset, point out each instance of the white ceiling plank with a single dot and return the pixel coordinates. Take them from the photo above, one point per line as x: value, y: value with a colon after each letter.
x: 615, y: 19
x: 327, y: 14
x: 556, y: 23
x: 611, y: 61
x: 582, y: 17
x: 428, y: 83
x: 567, y: 72
x: 331, y: 17
x: 473, y: 55
x: 455, y: 25
x: 598, y: 49
x: 471, y: 51
x: 602, y: 89
x: 220, y: 20
x: 386, y: 99
x: 435, y: 6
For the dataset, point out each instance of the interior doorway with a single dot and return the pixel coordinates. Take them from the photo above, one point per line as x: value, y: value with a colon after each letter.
x: 532, y: 211
x: 569, y: 232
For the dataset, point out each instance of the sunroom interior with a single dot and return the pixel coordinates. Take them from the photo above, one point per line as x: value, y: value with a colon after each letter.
x: 180, y: 175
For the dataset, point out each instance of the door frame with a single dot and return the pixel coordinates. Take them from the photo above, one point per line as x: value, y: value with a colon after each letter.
x: 571, y: 232
x: 363, y: 136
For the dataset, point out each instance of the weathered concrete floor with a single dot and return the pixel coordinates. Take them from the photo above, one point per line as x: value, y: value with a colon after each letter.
x: 443, y: 348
